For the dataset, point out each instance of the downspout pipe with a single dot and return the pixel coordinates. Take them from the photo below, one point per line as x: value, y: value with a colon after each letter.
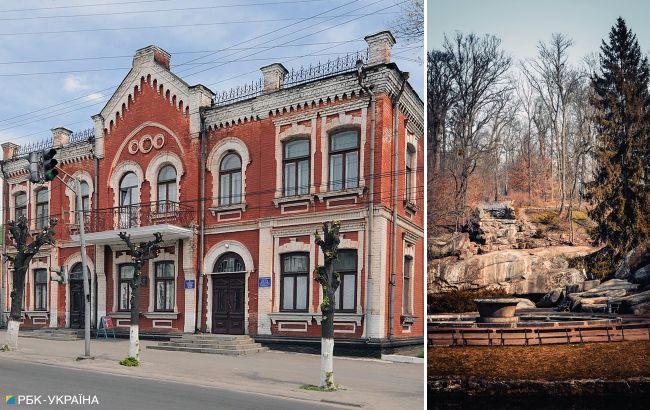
x: 393, y: 274
x: 371, y: 196
x: 95, y: 284
x: 199, y: 288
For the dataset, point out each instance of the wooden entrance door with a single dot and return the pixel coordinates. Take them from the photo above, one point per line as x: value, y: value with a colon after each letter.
x: 228, y: 304
x: 77, y: 305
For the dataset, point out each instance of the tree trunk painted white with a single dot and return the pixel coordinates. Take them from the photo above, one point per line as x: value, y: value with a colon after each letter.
x: 134, y: 341
x: 327, y: 363
x: 12, y: 334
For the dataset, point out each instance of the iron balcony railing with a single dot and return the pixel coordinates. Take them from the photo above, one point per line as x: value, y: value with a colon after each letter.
x: 137, y: 215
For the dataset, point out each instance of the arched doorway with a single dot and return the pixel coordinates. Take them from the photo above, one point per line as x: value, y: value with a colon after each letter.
x: 77, y: 304
x: 228, y: 286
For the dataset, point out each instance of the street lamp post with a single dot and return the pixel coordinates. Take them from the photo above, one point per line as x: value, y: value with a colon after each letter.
x: 84, y: 267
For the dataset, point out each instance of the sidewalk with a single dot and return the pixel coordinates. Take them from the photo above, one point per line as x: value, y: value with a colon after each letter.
x: 368, y: 383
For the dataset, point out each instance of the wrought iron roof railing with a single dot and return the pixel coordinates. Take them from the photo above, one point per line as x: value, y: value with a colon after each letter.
x: 294, y: 77
x: 82, y: 136
x: 338, y: 65
x: 35, y: 146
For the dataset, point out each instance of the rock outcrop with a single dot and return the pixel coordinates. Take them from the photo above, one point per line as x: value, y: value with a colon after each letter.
x: 515, y: 270
x: 613, y: 292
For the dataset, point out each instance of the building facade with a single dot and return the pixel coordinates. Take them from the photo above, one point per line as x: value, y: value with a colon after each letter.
x: 237, y: 183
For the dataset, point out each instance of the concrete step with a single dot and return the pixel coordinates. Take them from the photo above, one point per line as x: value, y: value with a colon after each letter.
x: 203, y: 338
x: 240, y: 346
x: 228, y: 352
x: 46, y: 336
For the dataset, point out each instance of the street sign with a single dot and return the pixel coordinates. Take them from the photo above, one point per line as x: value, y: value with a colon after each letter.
x: 189, y: 284
x: 264, y: 282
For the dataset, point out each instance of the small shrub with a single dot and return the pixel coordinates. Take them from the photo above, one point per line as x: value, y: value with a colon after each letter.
x: 460, y: 301
x: 130, y: 362
x: 547, y: 217
x: 579, y: 216
x: 5, y: 348
x: 313, y: 387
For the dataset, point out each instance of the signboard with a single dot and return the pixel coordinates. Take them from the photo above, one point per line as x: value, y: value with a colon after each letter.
x: 189, y: 284
x: 264, y: 282
x: 107, y: 322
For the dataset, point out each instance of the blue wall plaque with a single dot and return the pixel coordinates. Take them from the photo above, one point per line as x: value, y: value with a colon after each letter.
x: 264, y: 282
x: 189, y: 284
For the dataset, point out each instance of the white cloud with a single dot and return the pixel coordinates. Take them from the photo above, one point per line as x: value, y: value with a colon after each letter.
x: 73, y: 83
x: 93, y: 97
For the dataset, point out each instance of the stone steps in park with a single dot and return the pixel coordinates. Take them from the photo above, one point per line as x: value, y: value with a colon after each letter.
x: 54, y: 334
x: 212, y: 344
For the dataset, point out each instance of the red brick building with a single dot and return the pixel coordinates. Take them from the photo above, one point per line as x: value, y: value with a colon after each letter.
x: 280, y: 157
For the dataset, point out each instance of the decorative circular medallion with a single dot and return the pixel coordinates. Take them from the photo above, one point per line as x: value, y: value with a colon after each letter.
x: 133, y: 147
x: 146, y: 144
x: 158, y: 141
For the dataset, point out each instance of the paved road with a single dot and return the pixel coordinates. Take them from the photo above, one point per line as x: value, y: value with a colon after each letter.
x: 114, y: 392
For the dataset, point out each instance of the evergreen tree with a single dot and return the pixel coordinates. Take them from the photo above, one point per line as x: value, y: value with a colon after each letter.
x: 620, y: 191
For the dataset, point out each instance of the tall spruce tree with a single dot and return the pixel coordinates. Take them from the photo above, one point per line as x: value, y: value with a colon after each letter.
x: 620, y: 191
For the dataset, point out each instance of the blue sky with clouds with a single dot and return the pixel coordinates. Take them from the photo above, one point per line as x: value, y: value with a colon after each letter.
x: 61, y: 60
x: 521, y: 24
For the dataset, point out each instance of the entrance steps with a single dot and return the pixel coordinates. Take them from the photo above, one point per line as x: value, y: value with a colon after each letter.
x: 231, y: 345
x: 50, y: 333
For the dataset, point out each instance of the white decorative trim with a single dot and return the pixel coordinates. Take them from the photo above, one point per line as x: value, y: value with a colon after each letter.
x: 163, y: 256
x: 295, y: 131
x: 32, y: 202
x: 161, y: 315
x: 217, y: 153
x: 15, y: 189
x: 290, y: 247
x: 208, y: 264
x: 162, y: 324
x: 411, y: 199
x: 84, y: 176
x: 408, y: 249
x: 118, y: 172
x: 155, y: 165
x: 117, y: 261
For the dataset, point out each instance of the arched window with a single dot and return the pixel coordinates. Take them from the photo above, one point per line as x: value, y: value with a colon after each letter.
x: 409, y: 187
x: 229, y: 263
x: 296, y: 167
x: 20, y: 205
x: 128, y: 199
x: 230, y: 180
x: 85, y: 202
x: 344, y: 160
x: 167, y: 190
x: 42, y: 209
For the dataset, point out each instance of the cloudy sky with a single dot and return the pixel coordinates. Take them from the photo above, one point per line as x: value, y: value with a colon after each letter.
x: 521, y: 24
x: 61, y: 60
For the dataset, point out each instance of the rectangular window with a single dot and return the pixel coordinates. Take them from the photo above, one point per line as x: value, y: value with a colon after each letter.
x: 20, y: 204
x: 296, y: 167
x: 126, y: 272
x: 294, y: 291
x: 165, y: 286
x: 346, y: 295
x: 344, y: 160
x: 409, y: 175
x: 406, y: 286
x: 40, y: 289
x: 42, y: 209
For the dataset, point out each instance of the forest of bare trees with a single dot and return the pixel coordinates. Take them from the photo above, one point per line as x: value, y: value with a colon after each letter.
x: 507, y: 130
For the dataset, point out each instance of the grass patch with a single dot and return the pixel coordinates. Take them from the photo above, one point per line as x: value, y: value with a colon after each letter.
x: 616, y: 360
x: 313, y: 387
x: 579, y: 216
x: 5, y: 348
x: 459, y: 301
x: 130, y: 362
x: 420, y: 355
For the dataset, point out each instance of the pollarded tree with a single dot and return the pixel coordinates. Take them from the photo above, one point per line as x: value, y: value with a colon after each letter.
x: 140, y: 254
x: 20, y: 234
x: 329, y: 281
x: 620, y: 192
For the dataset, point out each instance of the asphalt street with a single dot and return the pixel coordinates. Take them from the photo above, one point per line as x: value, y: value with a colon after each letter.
x: 124, y: 392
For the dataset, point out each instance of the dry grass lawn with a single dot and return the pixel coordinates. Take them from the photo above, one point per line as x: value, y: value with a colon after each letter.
x: 616, y: 360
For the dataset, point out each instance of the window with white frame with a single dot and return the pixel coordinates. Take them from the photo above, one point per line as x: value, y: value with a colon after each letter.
x: 20, y: 205
x: 167, y: 189
x: 42, y: 208
x: 409, y: 187
x: 230, y: 180
x: 125, y: 277
x: 344, y: 160
x: 296, y: 167
x: 406, y: 285
x: 229, y: 262
x: 40, y: 289
x: 129, y: 197
x: 294, y: 279
x: 85, y: 201
x: 345, y: 296
x: 164, y: 286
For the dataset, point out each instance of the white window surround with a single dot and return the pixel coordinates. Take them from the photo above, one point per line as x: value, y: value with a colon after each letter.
x: 72, y: 200
x: 32, y: 202
x: 116, y: 176
x: 291, y: 247
x: 351, y: 245
x: 162, y: 257
x: 155, y: 165
x: 293, y: 132
x: 117, y: 261
x: 408, y: 249
x: 413, y: 143
x: 224, y: 147
x: 29, y: 285
x: 342, y: 122
x: 69, y: 264
x: 14, y: 190
x: 208, y: 264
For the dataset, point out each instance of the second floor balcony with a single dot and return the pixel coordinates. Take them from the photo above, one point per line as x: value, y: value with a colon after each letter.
x: 172, y: 219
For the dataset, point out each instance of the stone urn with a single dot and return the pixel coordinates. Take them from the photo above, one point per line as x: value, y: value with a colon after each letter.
x: 500, y: 310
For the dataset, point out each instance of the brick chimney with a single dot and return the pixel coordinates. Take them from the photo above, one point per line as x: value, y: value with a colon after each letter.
x: 9, y: 150
x: 273, y: 77
x: 379, y: 47
x: 151, y: 54
x: 60, y: 137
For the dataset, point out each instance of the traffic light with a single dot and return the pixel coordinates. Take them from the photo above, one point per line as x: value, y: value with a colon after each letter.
x: 49, y: 164
x: 33, y: 168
